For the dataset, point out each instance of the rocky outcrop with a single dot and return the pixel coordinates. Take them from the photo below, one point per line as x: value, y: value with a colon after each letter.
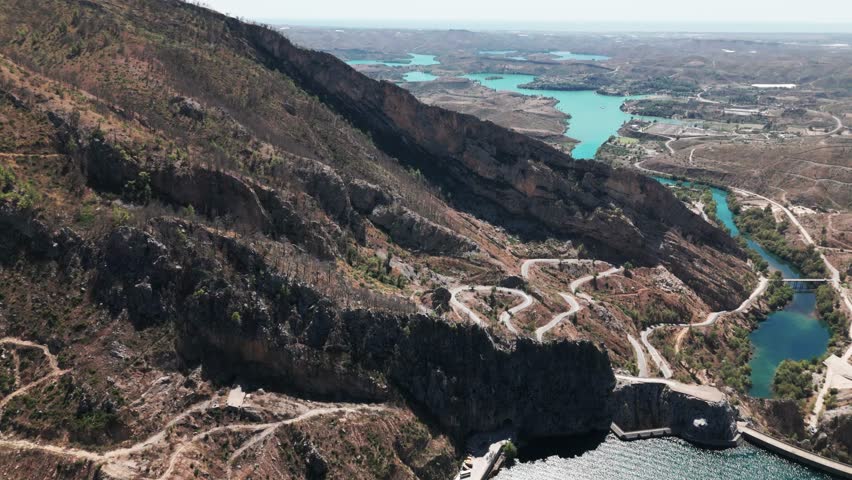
x: 215, y: 193
x: 472, y: 382
x: 239, y: 319
x: 644, y: 406
x: 511, y: 179
x: 834, y: 437
x: 325, y: 185
x: 783, y: 417
x: 21, y: 233
x: 405, y: 227
x: 441, y: 298
x: 188, y: 107
x: 136, y: 274
x: 412, y: 231
x: 287, y: 220
x: 365, y: 197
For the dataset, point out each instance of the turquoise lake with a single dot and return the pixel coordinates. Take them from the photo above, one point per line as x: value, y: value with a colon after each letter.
x: 560, y: 56
x: 594, y: 117
x: 792, y: 333
x: 660, y: 459
x: 419, y: 77
x: 415, y: 60
x: 579, y: 56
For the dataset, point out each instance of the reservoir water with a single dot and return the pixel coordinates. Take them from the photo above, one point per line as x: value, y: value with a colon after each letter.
x: 660, y: 459
x: 560, y: 56
x: 578, y: 56
x: 415, y: 60
x: 419, y: 77
x: 594, y: 117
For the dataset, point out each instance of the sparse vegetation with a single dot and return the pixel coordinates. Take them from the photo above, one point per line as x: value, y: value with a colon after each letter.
x: 760, y: 224
x: 829, y: 311
x: 22, y: 195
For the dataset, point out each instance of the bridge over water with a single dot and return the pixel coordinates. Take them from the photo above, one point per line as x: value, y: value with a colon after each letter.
x: 804, y: 284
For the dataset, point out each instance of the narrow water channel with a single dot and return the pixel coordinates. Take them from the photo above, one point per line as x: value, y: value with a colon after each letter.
x: 793, y: 333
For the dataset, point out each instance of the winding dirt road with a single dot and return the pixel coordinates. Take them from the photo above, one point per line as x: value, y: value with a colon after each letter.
x: 836, y: 283
x: 117, y: 462
x: 505, y: 317
x: 712, y: 318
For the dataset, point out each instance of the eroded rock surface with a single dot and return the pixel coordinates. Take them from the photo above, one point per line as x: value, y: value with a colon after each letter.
x: 643, y: 406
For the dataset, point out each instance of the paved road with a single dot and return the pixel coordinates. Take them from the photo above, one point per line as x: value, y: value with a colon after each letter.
x: 658, y: 358
x: 576, y: 284
x: 704, y: 100
x: 668, y: 144
x: 569, y: 298
x: 712, y: 318
x: 575, y: 307
x: 641, y: 361
x: 527, y: 264
x: 762, y: 285
x: 704, y: 392
x: 796, y: 453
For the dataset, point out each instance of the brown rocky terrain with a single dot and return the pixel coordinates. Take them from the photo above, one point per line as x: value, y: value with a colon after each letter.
x: 810, y: 172
x: 534, y: 116
x: 168, y: 232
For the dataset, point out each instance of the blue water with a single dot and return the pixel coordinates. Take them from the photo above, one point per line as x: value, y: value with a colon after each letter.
x: 419, y: 77
x: 662, y: 459
x: 560, y: 56
x: 594, y: 117
x: 578, y: 56
x: 793, y: 333
x: 416, y: 60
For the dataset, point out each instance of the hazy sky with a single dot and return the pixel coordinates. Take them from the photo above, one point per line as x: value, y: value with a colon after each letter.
x: 550, y: 11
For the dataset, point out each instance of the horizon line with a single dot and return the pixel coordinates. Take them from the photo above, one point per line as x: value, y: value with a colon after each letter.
x: 661, y: 26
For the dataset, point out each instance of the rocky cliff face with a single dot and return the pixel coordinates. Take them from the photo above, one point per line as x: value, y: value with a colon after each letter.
x: 642, y: 406
x: 506, y: 177
x: 238, y: 319
x: 834, y: 437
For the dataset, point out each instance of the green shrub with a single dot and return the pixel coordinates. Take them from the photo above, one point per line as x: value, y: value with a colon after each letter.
x: 793, y: 380
x: 760, y: 224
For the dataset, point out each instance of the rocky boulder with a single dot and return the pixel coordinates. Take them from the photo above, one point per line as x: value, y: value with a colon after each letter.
x: 365, y: 197
x: 513, y: 281
x: 188, y: 107
x: 441, y: 300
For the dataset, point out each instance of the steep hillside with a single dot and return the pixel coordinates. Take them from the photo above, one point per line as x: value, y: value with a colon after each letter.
x: 189, y: 204
x: 285, y: 101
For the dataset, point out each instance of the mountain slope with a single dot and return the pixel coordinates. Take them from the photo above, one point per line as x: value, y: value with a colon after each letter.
x: 189, y: 203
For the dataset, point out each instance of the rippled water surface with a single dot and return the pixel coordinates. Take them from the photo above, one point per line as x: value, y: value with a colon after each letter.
x: 662, y: 459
